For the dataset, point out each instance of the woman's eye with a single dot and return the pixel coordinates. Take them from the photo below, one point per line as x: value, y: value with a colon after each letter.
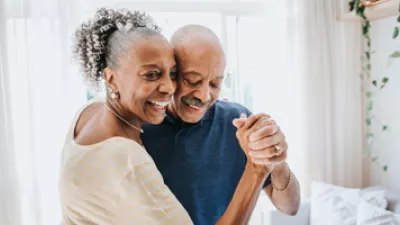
x: 174, y: 75
x: 153, y: 76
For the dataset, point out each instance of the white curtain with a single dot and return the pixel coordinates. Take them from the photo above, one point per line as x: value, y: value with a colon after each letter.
x: 326, y: 55
x: 302, y: 66
x: 39, y: 93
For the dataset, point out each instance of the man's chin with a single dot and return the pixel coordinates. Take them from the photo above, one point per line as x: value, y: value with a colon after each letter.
x: 190, y: 115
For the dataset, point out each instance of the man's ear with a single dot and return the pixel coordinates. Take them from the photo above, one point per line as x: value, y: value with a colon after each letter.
x: 109, y: 77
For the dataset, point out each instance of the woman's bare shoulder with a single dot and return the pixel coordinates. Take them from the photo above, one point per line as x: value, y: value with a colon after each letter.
x: 89, y: 129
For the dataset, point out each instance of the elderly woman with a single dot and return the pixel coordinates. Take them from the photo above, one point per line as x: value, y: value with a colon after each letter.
x: 107, y: 177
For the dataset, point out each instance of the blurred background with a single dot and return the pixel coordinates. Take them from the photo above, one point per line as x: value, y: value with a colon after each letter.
x: 311, y: 64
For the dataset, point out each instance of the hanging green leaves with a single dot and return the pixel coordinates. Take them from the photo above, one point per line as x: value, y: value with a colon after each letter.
x: 395, y: 54
x: 384, y: 82
x: 370, y: 106
x: 368, y: 121
x: 351, y: 5
x: 395, y: 32
x: 368, y: 55
x: 357, y: 7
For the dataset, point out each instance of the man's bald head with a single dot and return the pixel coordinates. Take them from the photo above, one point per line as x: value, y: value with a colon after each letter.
x: 201, y: 63
x: 191, y: 34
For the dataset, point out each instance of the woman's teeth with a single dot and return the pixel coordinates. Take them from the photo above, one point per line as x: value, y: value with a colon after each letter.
x: 160, y: 104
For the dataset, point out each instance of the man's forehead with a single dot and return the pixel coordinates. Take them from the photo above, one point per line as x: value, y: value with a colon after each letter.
x: 201, y: 50
x: 198, y: 46
x: 201, y: 58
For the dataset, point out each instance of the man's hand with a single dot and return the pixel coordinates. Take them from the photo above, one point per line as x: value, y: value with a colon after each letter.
x: 261, y: 139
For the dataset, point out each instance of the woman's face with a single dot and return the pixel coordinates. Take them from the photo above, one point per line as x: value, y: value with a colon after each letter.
x: 145, y: 79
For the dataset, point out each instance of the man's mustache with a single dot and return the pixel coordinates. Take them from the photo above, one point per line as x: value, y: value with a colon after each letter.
x: 195, y: 102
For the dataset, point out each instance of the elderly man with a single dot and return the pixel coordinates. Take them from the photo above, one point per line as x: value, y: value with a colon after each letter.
x: 214, y: 155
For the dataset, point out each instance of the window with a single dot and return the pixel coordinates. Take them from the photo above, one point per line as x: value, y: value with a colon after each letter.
x: 236, y: 23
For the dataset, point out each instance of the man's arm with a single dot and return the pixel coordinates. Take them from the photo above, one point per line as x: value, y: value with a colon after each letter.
x: 284, y: 191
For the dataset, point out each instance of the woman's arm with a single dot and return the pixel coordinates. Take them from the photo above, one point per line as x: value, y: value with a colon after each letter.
x: 245, y: 197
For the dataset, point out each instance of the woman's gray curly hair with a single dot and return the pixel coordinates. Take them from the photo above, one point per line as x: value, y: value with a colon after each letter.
x: 103, y: 39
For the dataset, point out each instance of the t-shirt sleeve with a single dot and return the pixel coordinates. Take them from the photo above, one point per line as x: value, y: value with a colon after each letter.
x: 267, y: 181
x: 247, y: 111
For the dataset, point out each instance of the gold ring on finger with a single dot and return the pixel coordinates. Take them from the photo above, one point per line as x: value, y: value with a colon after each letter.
x: 278, y: 150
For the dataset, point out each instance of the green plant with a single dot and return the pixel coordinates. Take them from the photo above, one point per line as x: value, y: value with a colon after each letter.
x: 372, y: 85
x: 396, y: 54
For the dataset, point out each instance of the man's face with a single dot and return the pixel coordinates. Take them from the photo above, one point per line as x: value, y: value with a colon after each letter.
x: 201, y: 72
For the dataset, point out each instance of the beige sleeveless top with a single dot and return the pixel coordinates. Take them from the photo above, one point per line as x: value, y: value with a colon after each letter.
x: 114, y: 182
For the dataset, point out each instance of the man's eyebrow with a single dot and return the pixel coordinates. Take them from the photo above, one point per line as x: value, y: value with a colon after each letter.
x: 221, y: 77
x: 192, y: 72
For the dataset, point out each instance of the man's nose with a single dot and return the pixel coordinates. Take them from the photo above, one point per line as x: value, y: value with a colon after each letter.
x: 203, y: 93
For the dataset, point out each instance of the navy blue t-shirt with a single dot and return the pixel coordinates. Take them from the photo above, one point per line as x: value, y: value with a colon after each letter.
x: 201, y: 163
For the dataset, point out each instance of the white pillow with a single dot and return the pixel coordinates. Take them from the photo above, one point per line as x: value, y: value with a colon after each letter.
x: 334, y: 205
x: 343, y: 206
x: 374, y: 197
x: 369, y: 214
x: 321, y: 196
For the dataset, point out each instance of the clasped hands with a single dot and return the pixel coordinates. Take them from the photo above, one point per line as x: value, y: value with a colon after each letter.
x: 262, y: 141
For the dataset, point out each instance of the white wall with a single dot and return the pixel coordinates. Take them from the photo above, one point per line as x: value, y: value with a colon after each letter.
x: 386, y: 104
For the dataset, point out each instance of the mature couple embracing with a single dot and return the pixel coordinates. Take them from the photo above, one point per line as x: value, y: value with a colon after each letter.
x: 161, y: 148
